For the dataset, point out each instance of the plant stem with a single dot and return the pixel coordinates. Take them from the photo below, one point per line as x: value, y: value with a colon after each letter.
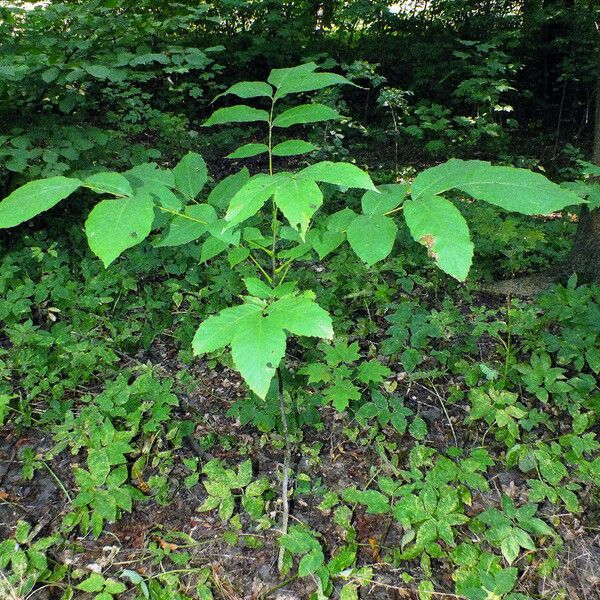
x: 286, y: 468
x: 59, y: 483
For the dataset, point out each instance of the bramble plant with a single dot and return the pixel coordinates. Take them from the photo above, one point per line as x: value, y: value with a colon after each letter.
x: 232, y: 218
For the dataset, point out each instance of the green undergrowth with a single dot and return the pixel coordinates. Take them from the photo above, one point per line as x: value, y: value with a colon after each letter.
x: 469, y: 426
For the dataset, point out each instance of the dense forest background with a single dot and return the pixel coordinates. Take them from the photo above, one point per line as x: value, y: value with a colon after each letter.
x: 444, y: 445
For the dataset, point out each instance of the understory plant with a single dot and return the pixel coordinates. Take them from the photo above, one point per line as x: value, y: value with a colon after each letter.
x: 272, y: 222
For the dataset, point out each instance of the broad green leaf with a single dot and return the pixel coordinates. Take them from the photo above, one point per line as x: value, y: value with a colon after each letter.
x: 510, y: 548
x: 212, y: 247
x: 372, y: 237
x: 310, y: 562
x: 437, y: 224
x: 190, y: 175
x: 166, y: 198
x: 103, y: 72
x: 390, y: 197
x: 257, y: 347
x: 94, y: 583
x: 298, y: 541
x: 298, y: 199
x: 375, y: 501
x: 518, y: 190
x: 236, y: 114
x: 220, y: 230
x: 111, y: 183
x: 588, y: 168
x: 115, y: 225
x: 150, y: 175
x: 306, y: 113
x: 188, y: 226
x: 34, y: 198
x: 309, y: 81
x: 253, y: 194
x: 258, y: 288
x: 293, y: 148
x: 444, y: 177
x: 248, y: 150
x: 217, y: 331
x: 279, y: 77
x: 249, y: 89
x: 426, y: 533
x: 343, y: 174
x: 587, y: 191
x: 227, y: 188
x: 302, y: 316
x: 349, y: 592
x: 324, y: 242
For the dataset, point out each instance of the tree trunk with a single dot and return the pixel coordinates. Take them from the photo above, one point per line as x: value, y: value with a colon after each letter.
x: 584, y: 258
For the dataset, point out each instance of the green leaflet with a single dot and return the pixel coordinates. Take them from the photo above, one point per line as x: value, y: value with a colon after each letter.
x: 190, y: 175
x: 226, y: 189
x: 150, y: 175
x: 343, y: 174
x: 280, y: 77
x: 111, y: 183
x: 236, y: 114
x: 34, y: 198
x: 302, y: 316
x: 298, y: 199
x: 115, y: 225
x: 436, y: 223
x: 256, y: 334
x: 249, y: 89
x: 372, y: 237
x: 166, y: 198
x: 188, y: 226
x: 212, y: 247
x: 308, y: 81
x: 306, y: 113
x: 248, y: 150
x: 293, y: 148
x: 217, y: 332
x: 518, y: 190
x: 390, y: 197
x: 588, y: 191
x: 253, y: 194
x: 257, y: 347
